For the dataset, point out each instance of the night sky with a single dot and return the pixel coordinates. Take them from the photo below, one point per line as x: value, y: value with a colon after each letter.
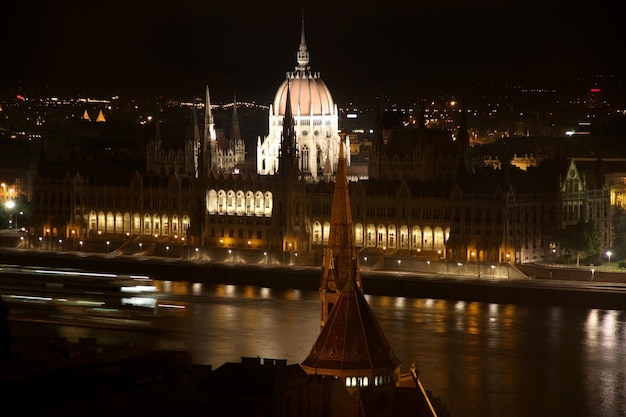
x: 409, y: 47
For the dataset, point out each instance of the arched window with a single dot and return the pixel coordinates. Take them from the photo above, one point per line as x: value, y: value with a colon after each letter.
x: 119, y: 223
x: 221, y: 202
x: 268, y: 204
x: 305, y: 159
x: 358, y: 234
x: 258, y: 203
x: 230, y: 202
x: 249, y: 203
x: 110, y: 223
x: 211, y: 201
x: 240, y: 203
x: 317, y: 233
x: 326, y: 233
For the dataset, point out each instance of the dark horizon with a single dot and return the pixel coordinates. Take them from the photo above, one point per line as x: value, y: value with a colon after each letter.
x: 404, y: 49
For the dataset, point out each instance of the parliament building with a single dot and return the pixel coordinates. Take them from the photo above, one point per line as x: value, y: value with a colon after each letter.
x: 426, y: 195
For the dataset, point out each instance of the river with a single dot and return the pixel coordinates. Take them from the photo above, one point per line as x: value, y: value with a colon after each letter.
x: 481, y: 359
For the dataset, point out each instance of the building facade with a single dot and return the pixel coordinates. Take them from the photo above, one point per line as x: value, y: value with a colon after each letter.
x: 424, y: 197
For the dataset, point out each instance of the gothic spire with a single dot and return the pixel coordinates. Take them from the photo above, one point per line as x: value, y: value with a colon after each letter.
x: 340, y: 263
x: 196, y: 141
x: 351, y: 341
x: 209, y: 123
x: 288, y: 164
x: 303, y: 52
x: 209, y: 143
x: 235, y: 132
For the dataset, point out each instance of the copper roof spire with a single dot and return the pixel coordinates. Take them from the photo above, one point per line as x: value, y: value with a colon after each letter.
x: 341, y: 262
x: 351, y: 342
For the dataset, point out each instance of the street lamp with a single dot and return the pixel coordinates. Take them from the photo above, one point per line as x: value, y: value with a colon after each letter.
x: 592, y: 272
x: 167, y: 251
x: 10, y: 205
x: 108, y: 246
x: 608, y: 254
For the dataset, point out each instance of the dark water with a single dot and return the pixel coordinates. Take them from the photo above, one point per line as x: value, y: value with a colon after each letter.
x: 481, y: 359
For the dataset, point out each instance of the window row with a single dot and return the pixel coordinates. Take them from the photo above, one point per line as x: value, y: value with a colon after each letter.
x: 239, y: 203
x: 382, y: 236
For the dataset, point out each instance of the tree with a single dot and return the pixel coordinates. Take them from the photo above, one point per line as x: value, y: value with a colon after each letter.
x: 580, y: 238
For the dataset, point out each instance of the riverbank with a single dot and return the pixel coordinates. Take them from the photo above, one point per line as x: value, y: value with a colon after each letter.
x: 610, y: 293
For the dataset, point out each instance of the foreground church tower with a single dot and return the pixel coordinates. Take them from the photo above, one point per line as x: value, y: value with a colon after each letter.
x: 351, y: 344
x: 341, y: 263
x: 316, y: 122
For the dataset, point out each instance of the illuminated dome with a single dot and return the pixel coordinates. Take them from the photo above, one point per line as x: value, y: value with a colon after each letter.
x: 315, y: 123
x: 309, y: 95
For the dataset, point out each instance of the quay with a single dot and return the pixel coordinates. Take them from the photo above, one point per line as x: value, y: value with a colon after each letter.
x: 521, y: 284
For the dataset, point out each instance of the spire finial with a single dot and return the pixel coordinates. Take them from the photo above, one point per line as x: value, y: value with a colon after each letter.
x: 303, y: 52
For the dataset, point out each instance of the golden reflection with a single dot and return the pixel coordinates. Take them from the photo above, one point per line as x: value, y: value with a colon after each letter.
x: 292, y: 295
x: 507, y: 315
x: 493, y: 308
x: 230, y: 290
x: 384, y: 301
x: 197, y: 288
x: 473, y: 325
x: 220, y: 290
x: 163, y: 286
x: 180, y: 288
x: 249, y: 291
x: 400, y: 302
x: 441, y: 304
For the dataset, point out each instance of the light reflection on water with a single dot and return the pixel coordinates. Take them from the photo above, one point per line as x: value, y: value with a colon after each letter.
x: 482, y: 359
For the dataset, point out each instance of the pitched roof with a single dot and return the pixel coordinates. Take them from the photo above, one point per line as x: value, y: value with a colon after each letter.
x: 352, y: 340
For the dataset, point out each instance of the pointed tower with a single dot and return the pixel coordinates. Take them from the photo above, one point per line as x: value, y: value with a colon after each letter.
x: 288, y: 158
x: 209, y: 142
x: 196, y: 141
x: 302, y: 56
x: 236, y: 142
x: 235, y: 132
x: 341, y: 263
x: 351, y: 344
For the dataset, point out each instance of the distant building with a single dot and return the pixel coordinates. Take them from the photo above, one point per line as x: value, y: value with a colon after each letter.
x: 316, y: 123
x: 422, y: 193
x: 197, y: 154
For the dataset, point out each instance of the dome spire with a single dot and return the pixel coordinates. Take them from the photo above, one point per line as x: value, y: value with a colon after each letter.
x: 303, y: 52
